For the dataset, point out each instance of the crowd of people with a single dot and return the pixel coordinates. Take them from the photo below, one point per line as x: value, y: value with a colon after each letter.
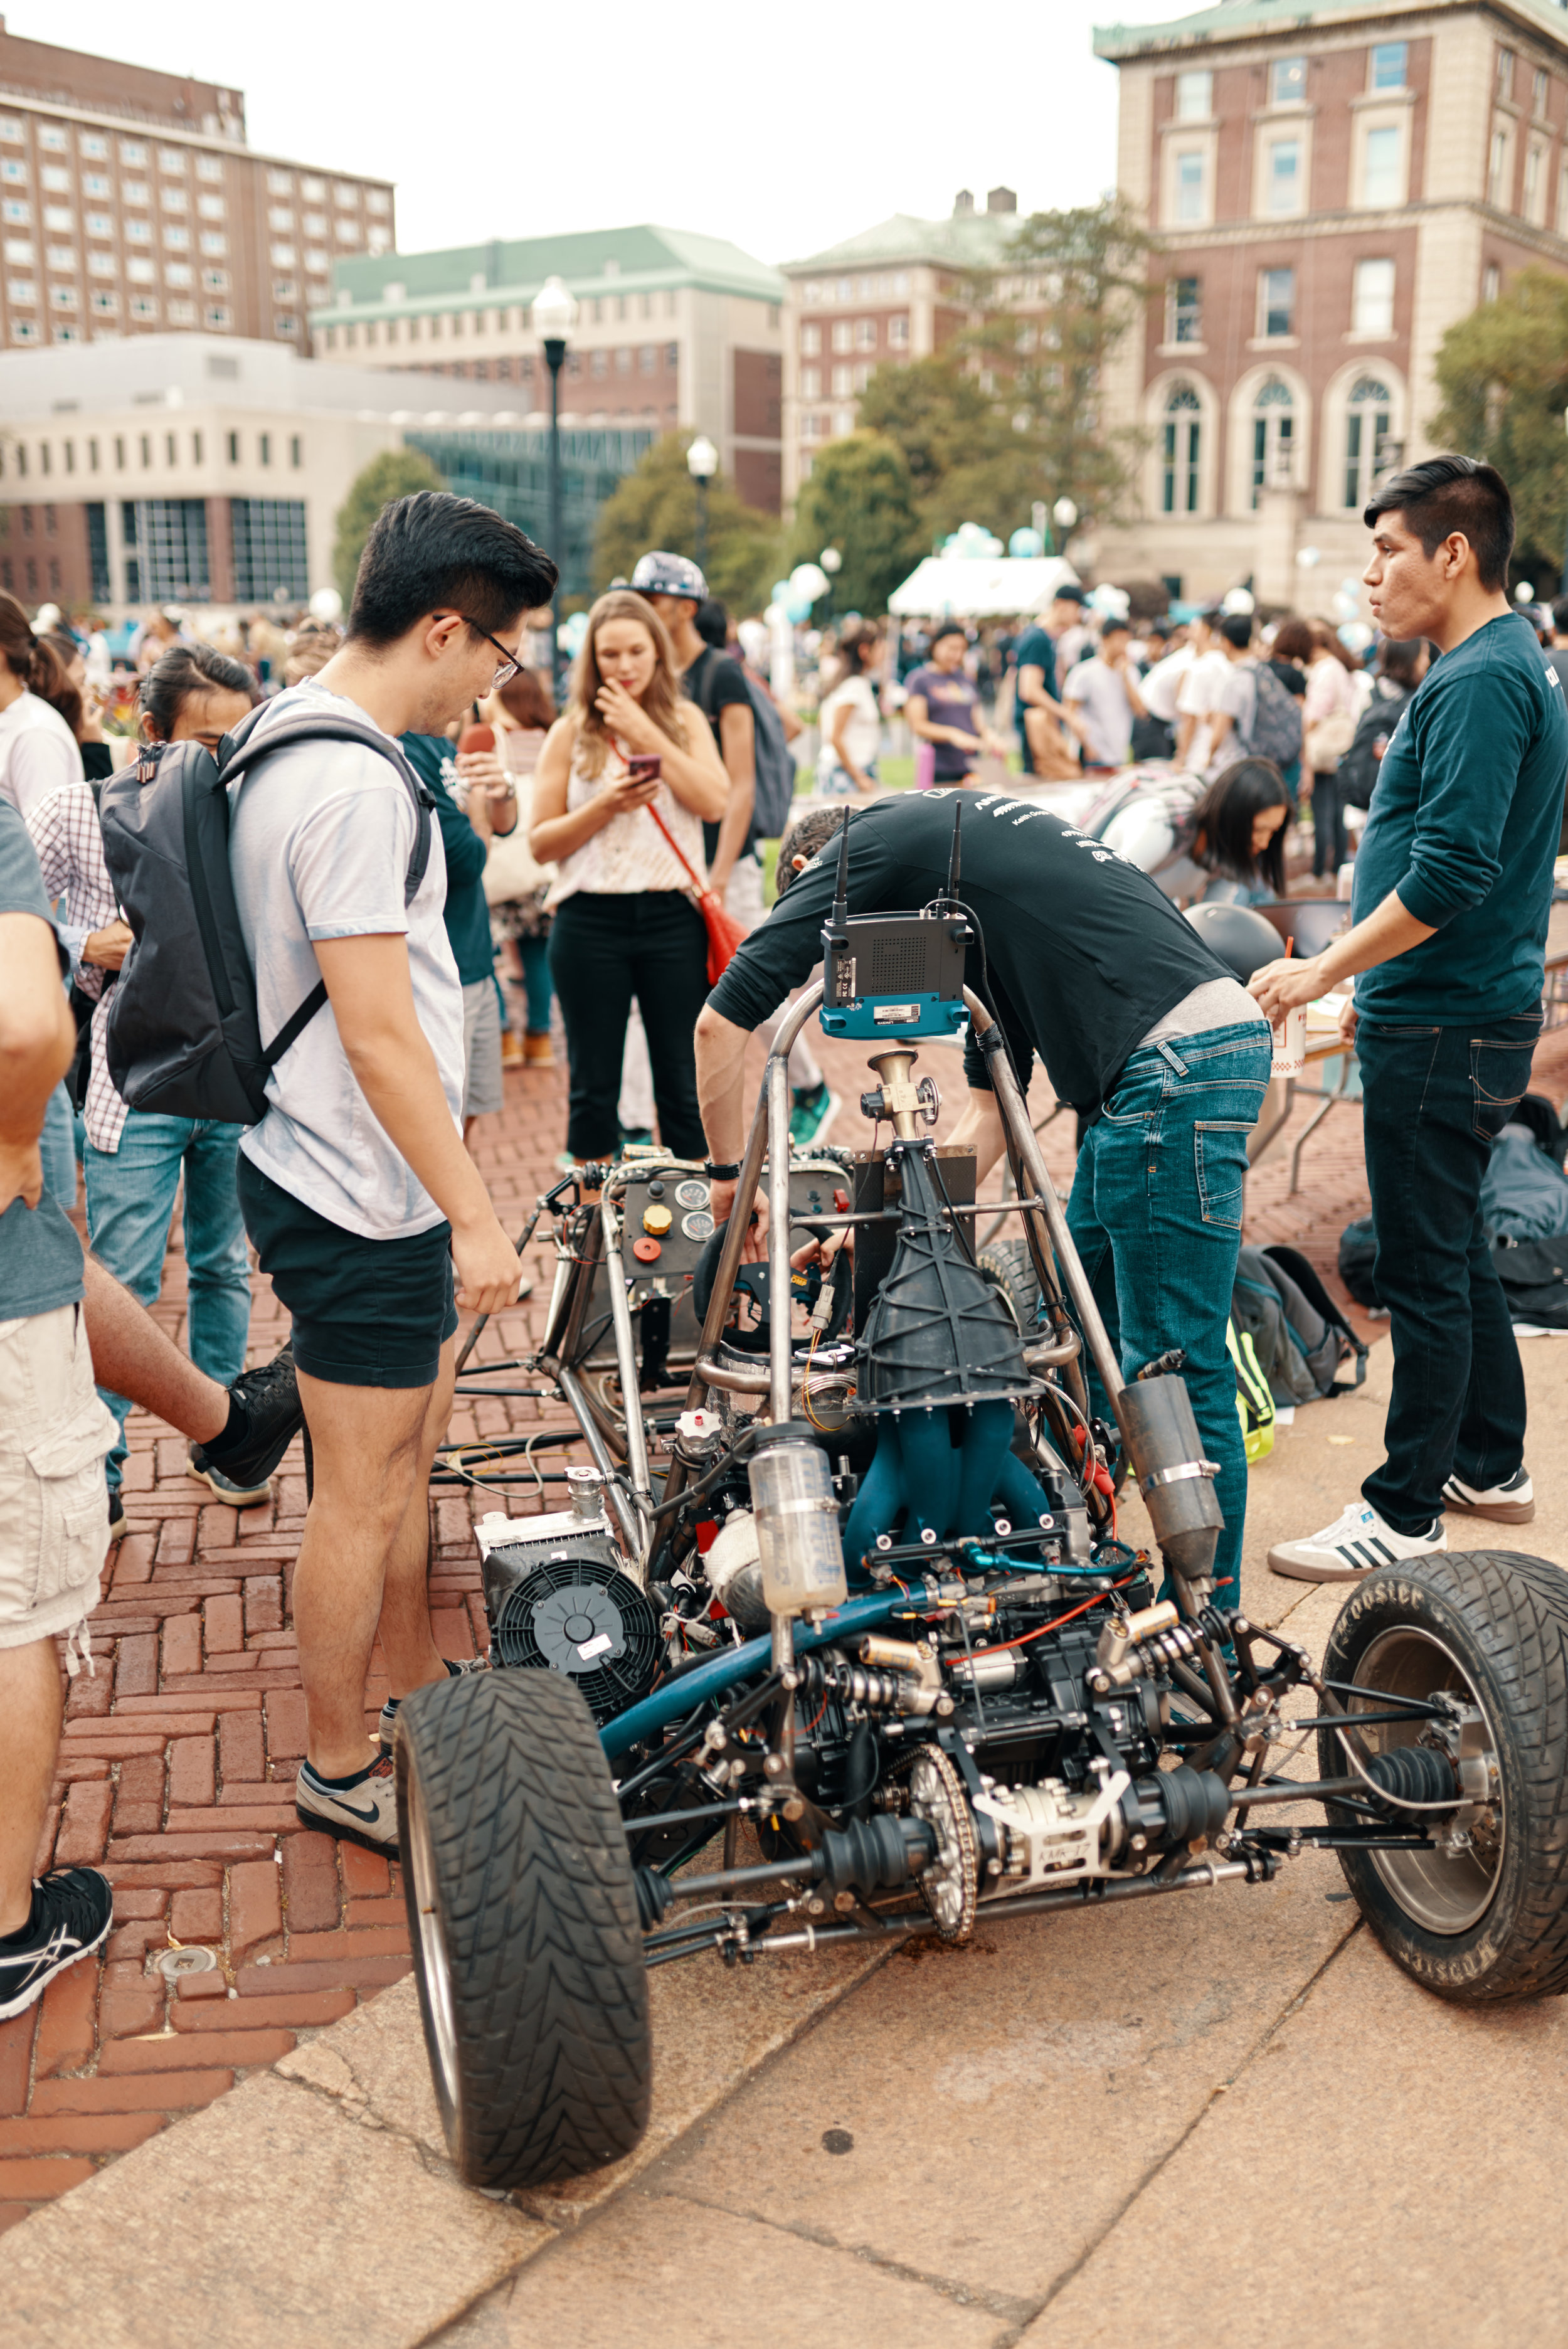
x: 433, y: 873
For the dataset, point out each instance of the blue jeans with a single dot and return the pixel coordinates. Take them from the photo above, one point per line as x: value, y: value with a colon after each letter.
x: 1435, y: 1100
x: 57, y: 1147
x: 1156, y: 1212
x: 130, y: 1205
x: 533, y: 954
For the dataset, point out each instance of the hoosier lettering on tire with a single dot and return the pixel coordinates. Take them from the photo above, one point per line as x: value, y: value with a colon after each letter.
x: 527, y: 1947
x: 1483, y: 1915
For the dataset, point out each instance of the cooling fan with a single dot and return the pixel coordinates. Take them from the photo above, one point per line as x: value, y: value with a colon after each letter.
x: 582, y: 1617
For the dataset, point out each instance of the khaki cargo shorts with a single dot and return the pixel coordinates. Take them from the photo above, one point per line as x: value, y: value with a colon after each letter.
x: 54, y: 1503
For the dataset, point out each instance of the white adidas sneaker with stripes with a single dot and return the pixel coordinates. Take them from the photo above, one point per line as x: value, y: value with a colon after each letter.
x: 1355, y: 1544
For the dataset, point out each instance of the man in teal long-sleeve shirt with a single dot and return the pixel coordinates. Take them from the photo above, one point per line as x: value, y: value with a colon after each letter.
x: 1453, y: 890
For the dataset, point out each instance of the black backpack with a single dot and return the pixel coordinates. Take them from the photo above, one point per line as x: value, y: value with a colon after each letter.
x: 181, y: 1036
x: 1274, y: 729
x: 773, y: 762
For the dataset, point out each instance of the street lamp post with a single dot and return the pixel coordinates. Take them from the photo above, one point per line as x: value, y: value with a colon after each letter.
x: 554, y: 313
x: 702, y: 464
x: 1064, y: 513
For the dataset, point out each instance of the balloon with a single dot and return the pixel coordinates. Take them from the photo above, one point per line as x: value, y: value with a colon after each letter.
x: 572, y: 634
x: 809, y: 580
x: 1356, y: 635
x: 1238, y: 600
x: 798, y: 608
x: 1308, y: 557
x: 326, y: 606
x: 1026, y: 544
x: 780, y: 593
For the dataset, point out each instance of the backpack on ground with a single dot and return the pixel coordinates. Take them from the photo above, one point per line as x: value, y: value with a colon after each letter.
x: 1275, y: 731
x: 1358, y: 1258
x: 1254, y: 1403
x: 1299, y: 1335
x: 1524, y: 1191
x: 773, y: 762
x: 181, y: 1035
x: 1535, y: 1276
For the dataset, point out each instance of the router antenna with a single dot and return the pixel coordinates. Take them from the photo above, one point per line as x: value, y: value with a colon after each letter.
x: 841, y: 900
x: 954, y: 866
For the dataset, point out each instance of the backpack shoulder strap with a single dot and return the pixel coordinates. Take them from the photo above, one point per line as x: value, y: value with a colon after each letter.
x: 1292, y: 1262
x: 242, y: 749
x: 703, y: 695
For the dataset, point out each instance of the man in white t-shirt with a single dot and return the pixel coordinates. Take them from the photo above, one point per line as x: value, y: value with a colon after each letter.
x: 1102, y: 700
x: 1235, y: 704
x: 1198, y: 696
x: 357, y: 1190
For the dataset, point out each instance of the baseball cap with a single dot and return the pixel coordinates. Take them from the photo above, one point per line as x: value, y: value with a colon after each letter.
x: 669, y: 575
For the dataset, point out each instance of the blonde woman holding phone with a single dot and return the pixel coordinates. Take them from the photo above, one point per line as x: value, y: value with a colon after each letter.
x: 624, y: 922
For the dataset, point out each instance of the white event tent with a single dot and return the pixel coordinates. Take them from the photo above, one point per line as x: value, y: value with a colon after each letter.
x: 981, y: 587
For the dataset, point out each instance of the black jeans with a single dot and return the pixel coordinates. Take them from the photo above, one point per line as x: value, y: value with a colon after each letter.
x: 1327, y: 826
x: 604, y: 950
x: 1435, y: 1100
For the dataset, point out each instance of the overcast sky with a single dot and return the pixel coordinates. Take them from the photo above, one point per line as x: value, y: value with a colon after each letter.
x: 781, y: 130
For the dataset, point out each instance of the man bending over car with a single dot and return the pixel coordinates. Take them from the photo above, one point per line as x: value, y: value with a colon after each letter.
x: 1141, y: 1030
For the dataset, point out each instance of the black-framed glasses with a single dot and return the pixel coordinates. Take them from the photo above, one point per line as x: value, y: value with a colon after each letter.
x: 509, y: 662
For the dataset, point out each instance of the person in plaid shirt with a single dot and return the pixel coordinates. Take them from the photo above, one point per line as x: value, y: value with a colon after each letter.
x: 134, y: 1160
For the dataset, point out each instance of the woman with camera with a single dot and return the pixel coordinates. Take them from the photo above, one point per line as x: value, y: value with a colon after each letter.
x: 630, y: 747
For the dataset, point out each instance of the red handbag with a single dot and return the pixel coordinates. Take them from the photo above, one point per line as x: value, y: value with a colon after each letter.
x: 724, y: 932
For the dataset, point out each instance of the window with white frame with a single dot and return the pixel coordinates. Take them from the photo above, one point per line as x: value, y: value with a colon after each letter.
x: 843, y: 335
x: 1284, y: 176
x: 811, y: 383
x: 898, y: 334
x: 1189, y: 189
x: 1490, y: 282
x: 1535, y: 182
x: 1180, y: 451
x: 1382, y: 166
x: 1183, y: 311
x: 1497, y: 179
x: 1194, y: 96
x: 1372, y: 298
x: 1369, y: 420
x: 1276, y: 302
x: 1274, y: 437
x: 1505, y: 73
x: 1538, y: 86
x: 865, y: 334
x: 1389, y: 62
x: 843, y: 382
x: 1287, y: 81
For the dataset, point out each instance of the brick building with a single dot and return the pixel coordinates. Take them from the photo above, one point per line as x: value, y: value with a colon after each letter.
x: 893, y: 294
x: 130, y: 203
x: 674, y: 329
x: 1331, y: 188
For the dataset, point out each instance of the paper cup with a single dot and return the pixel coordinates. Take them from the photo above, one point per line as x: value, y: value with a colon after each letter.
x: 1289, y: 1044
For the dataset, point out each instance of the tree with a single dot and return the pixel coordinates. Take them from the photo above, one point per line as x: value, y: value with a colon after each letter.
x: 655, y: 506
x: 1502, y: 373
x: 860, y: 499
x: 395, y: 473
x: 1047, y: 372
x: 1010, y: 412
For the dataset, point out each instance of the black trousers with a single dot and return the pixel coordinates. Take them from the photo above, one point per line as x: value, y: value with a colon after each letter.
x: 1435, y: 1099
x: 604, y: 950
x: 1327, y: 826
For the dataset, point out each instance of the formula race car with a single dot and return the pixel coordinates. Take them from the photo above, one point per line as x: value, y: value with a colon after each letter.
x: 840, y: 1642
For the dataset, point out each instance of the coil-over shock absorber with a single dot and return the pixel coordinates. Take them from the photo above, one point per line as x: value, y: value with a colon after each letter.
x: 1139, y: 1646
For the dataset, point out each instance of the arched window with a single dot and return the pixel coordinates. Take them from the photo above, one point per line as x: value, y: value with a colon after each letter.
x: 1367, y: 432
x: 1274, y: 437
x: 1180, y: 457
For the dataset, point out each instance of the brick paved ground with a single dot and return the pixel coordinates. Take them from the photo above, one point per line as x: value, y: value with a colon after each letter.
x: 176, y: 1773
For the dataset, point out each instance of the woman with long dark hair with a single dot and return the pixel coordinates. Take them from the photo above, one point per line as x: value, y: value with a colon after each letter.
x: 40, y: 712
x: 1240, y: 824
x: 625, y: 921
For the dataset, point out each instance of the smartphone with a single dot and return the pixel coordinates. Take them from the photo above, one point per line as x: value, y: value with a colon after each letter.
x: 645, y: 769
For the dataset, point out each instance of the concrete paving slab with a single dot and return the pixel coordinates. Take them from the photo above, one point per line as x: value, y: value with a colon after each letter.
x: 278, y: 2215
x: 664, y: 2274
x: 1422, y: 2147
x: 1018, y: 2091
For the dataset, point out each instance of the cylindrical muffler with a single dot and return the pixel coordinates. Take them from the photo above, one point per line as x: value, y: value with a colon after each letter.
x: 1176, y: 1481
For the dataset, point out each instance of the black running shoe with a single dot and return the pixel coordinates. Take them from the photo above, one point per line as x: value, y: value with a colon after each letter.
x: 269, y: 1399
x: 73, y: 1909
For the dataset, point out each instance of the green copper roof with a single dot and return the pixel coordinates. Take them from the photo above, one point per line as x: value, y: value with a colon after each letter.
x: 1241, y: 19
x: 511, y: 271
x: 966, y: 241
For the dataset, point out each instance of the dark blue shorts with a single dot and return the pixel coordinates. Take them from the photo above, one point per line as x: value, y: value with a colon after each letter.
x: 366, y: 1313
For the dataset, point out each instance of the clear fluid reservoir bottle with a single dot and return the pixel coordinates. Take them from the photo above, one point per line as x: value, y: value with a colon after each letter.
x: 797, y: 1527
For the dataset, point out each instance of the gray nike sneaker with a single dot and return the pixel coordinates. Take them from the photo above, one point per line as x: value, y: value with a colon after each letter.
x: 388, y: 1721
x: 365, y: 1811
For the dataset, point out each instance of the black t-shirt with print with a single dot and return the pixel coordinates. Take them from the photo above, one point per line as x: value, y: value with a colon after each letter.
x: 1084, y: 953
x: 716, y: 682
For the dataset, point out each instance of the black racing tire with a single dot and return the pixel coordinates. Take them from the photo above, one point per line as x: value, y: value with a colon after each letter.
x: 1490, y: 1922
x: 1009, y: 1267
x: 523, y: 1916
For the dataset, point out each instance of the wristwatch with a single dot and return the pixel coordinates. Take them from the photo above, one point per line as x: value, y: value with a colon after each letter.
x: 717, y: 1174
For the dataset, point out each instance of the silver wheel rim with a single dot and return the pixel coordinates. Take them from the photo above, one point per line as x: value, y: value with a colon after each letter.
x: 1444, y: 1892
x: 435, y: 1966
